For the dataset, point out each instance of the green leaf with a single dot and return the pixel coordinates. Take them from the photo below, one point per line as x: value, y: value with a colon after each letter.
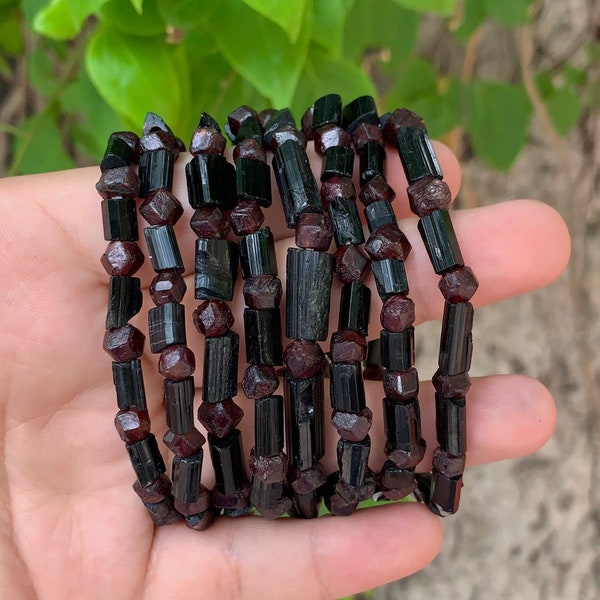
x: 31, y: 8
x: 11, y: 39
x: 329, y: 25
x: 564, y: 107
x: 288, y: 15
x: 441, y: 111
x: 41, y: 70
x: 138, y: 5
x: 440, y: 7
x: 415, y: 78
x: 63, y: 19
x: 512, y: 12
x: 474, y: 14
x: 186, y: 14
x: 498, y: 121
x: 124, y: 18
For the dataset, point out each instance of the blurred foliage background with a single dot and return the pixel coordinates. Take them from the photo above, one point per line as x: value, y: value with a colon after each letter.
x: 72, y: 71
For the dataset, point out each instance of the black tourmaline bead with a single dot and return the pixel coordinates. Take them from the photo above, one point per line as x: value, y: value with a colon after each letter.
x: 339, y: 162
x: 118, y: 153
x: 216, y: 269
x: 210, y: 180
x: 451, y: 424
x: 179, y: 403
x: 305, y: 442
x: 124, y: 300
x: 379, y: 213
x: 269, y: 498
x: 228, y: 462
x: 346, y: 386
x: 206, y: 121
x: 456, y: 342
x: 220, y: 367
x: 146, y: 459
x: 163, y: 512
x: 297, y: 185
x: 361, y: 110
x: 129, y: 384
x: 257, y: 254
x: 253, y: 180
x: 163, y: 249
x: 372, y: 157
x: 402, y: 423
x: 390, y: 277
x: 398, y: 349
x: 347, y: 227
x: 417, y: 154
x: 262, y: 330
x: 250, y: 128
x: 166, y: 326
x: 156, y: 171
x: 306, y: 506
x: 444, y: 494
x: 186, y: 477
x: 308, y: 292
x: 119, y: 219
x: 268, y: 425
x: 281, y: 120
x: 327, y: 110
x: 440, y: 241
x: 355, y: 307
x: 352, y: 460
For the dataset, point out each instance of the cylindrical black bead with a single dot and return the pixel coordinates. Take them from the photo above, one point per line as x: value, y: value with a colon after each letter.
x: 228, y: 462
x: 262, y: 329
x: 355, y: 307
x: 360, y: 110
x: 186, y: 477
x: 146, y: 459
x: 353, y: 458
x: 163, y: 249
x: 166, y: 326
x: 179, y: 404
x: 327, y: 110
x: 306, y: 506
x: 305, y: 438
x: 347, y: 228
x: 281, y: 119
x: 451, y: 424
x: 417, y: 154
x: 257, y: 254
x: 347, y: 388
x: 210, y: 180
x: 440, y: 241
x: 119, y: 219
x: 268, y: 425
x: 390, y: 277
x: 220, y: 367
x: 253, y: 178
x: 118, y: 154
x: 156, y: 171
x: 265, y: 496
x: 250, y: 128
x: 372, y: 161
x: 402, y: 423
x: 398, y: 349
x: 456, y: 341
x: 444, y: 494
x: 379, y: 213
x: 124, y: 300
x: 297, y: 185
x: 339, y: 162
x: 308, y: 293
x: 216, y: 269
x: 129, y: 384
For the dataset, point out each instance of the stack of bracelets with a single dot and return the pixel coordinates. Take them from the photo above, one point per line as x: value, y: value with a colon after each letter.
x: 286, y: 476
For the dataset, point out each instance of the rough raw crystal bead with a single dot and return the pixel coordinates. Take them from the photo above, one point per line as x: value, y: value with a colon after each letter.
x: 360, y: 110
x: 350, y: 263
x: 176, y: 362
x: 451, y: 424
x: 373, y: 370
x: 161, y: 207
x: 120, y: 151
x: 161, y: 141
x: 423, y: 490
x: 262, y: 329
x: 166, y: 326
x: 353, y: 494
x: 417, y: 154
x: 163, y: 250
x: 347, y: 390
x: 132, y: 424
x: 153, y: 122
x: 355, y: 307
x: 305, y: 441
x: 303, y: 359
x: 243, y: 123
x: 456, y: 342
x: 376, y: 190
x: 272, y: 120
x: 259, y: 381
x: 124, y: 343
x: 331, y: 136
x: 314, y: 232
x: 184, y: 444
x: 155, y: 491
x: 366, y: 133
x: 268, y: 468
x: 428, y: 194
x: 194, y: 509
x: 306, y: 123
x: 401, y: 386
x: 146, y: 459
x: 220, y: 367
x: 407, y: 459
x: 210, y: 180
x: 445, y: 494
x: 187, y: 471
x: 394, y: 121
x: 458, y: 285
x: 246, y: 217
x: 262, y: 292
x: 347, y: 227
x: 379, y: 213
x: 212, y: 318
x: 179, y: 403
x: 440, y: 241
x: 119, y: 182
x: 220, y: 418
x: 207, y: 122
x: 268, y: 425
x: 398, y: 349
x: 451, y: 386
x: 305, y: 506
x: 163, y: 512
x: 253, y: 180
x: 210, y: 222
x: 287, y: 134
x: 167, y: 286
x: 337, y: 187
x: 327, y: 109
x: 239, y: 116
x: 201, y: 521
x: 372, y: 162
x: 396, y: 483
x: 257, y: 254
x: 156, y: 171
x: 402, y: 423
x: 304, y: 481
x: 390, y: 277
x: 129, y: 384
x: 447, y: 464
x: 339, y: 162
x: 119, y: 219
x: 207, y: 140
x: 124, y: 300
x: 297, y: 185
x: 249, y: 148
x: 352, y: 460
x: 397, y: 313
x: 336, y: 504
x: 122, y: 258
x: 348, y: 346
x: 308, y: 293
x: 269, y: 498
x: 216, y: 269
x: 352, y: 426
x: 388, y: 241
x: 228, y: 462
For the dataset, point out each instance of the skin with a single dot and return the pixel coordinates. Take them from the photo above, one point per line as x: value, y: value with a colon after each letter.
x: 70, y: 524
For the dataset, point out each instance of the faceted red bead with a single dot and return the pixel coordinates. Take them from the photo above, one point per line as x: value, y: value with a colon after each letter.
x: 184, y: 444
x: 209, y: 222
x: 458, y: 285
x: 206, y: 140
x: 308, y: 480
x: 338, y: 506
x: 401, y: 117
x: 194, y: 508
x: 348, y: 346
x: 122, y: 258
x: 337, y: 187
x: 306, y: 123
x: 396, y: 483
x: 352, y: 426
x: 303, y: 359
x: 352, y: 493
x: 329, y: 136
x: 122, y: 181
x: 448, y: 465
x: 313, y: 231
x: 269, y: 469
x: 236, y: 504
x: 265, y: 116
x: 401, y: 386
x: 160, y: 140
x: 132, y: 424
x: 161, y: 207
x: 350, y: 263
x: 367, y: 132
x: 451, y: 386
x: 167, y: 287
x: 283, y: 134
x: 176, y: 362
x: 263, y: 292
x: 428, y: 194
x: 407, y: 460
x: 220, y: 418
x: 397, y: 313
x: 259, y: 381
x: 376, y: 189
x: 238, y: 116
x: 212, y: 318
x: 124, y: 343
x: 388, y: 241
x: 249, y: 148
x: 155, y: 491
x: 246, y: 217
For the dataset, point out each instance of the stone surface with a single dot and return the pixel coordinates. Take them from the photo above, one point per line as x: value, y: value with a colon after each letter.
x: 428, y: 194
x: 124, y: 343
x: 337, y: 187
x: 220, y: 418
x: 155, y: 491
x: 314, y: 231
x: 168, y: 286
x: 268, y: 469
x: 207, y: 140
x: 212, y: 318
x: 458, y: 285
x: 184, y: 444
x: 388, y: 241
x: 122, y: 258
x: 259, y: 381
x: 329, y: 136
x: 262, y: 292
x: 350, y: 263
x: 132, y: 424
x: 176, y: 362
x: 161, y: 207
x: 210, y: 222
x: 352, y: 426
x: 246, y: 217
x: 348, y: 346
x: 376, y: 189
x: 303, y: 359
x: 397, y: 313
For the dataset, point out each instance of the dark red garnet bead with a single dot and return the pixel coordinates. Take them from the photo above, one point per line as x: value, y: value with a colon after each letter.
x: 397, y: 313
x: 184, y: 444
x: 161, y: 207
x: 448, y: 465
x: 167, y: 287
x: 303, y: 359
x: 376, y: 189
x: 122, y: 181
x: 263, y: 292
x: 176, y: 362
x: 124, y: 343
x: 259, y: 381
x: 330, y: 136
x: 209, y: 222
x: 122, y: 258
x: 348, y: 346
x: 249, y: 148
x: 388, y: 241
x: 269, y: 469
x: 428, y: 194
x: 337, y: 187
x: 206, y: 140
x: 367, y: 132
x: 220, y: 418
x: 246, y: 217
x: 313, y: 231
x: 352, y: 426
x: 155, y: 491
x: 213, y: 318
x: 132, y: 424
x: 401, y: 117
x: 458, y: 285
x: 350, y: 263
